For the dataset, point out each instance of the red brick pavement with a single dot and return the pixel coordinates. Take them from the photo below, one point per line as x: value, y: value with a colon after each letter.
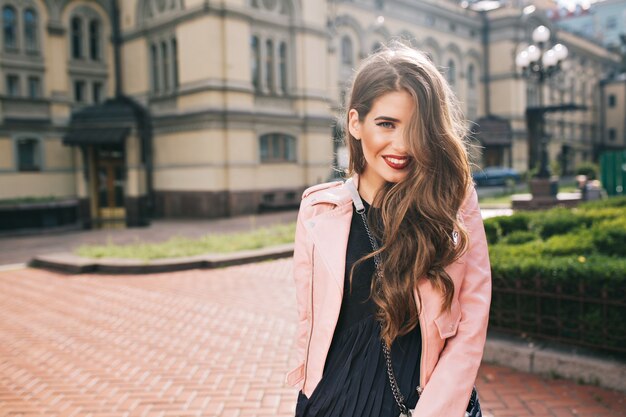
x: 192, y: 343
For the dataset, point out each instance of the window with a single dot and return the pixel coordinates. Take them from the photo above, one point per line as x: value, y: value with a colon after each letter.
x: 34, y: 87
x: 175, y: 62
x: 94, y: 40
x: 347, y: 53
x: 278, y: 147
x: 13, y: 85
x: 154, y: 57
x: 451, y: 72
x: 79, y: 91
x: 471, y: 76
x: 28, y: 155
x: 256, y: 63
x: 165, y: 56
x: 283, y: 67
x: 376, y: 46
x: 612, y: 100
x: 96, y: 92
x: 9, y: 25
x: 30, y: 30
x: 269, y: 65
x: 611, y: 22
x: 612, y: 134
x: 77, y: 38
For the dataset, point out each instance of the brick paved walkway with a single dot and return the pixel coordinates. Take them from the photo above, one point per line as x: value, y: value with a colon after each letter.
x: 192, y: 343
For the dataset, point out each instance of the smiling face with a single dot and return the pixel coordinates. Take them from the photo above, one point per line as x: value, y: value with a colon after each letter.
x: 382, y: 135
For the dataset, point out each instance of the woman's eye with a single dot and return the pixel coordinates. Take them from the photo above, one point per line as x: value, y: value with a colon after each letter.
x: 386, y: 125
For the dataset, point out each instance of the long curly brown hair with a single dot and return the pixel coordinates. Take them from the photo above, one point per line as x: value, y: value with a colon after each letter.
x: 418, y: 214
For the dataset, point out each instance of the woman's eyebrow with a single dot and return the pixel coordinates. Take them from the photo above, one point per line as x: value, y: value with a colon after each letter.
x: 387, y: 118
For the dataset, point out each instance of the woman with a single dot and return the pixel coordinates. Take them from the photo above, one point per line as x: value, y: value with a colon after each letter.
x: 417, y: 321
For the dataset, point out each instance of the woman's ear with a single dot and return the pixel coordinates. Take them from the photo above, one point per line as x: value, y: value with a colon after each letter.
x: 354, y: 126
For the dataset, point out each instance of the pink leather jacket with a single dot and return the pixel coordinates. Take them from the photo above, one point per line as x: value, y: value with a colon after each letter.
x: 452, y: 342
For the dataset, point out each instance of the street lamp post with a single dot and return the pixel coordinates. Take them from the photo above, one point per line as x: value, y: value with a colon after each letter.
x: 538, y: 63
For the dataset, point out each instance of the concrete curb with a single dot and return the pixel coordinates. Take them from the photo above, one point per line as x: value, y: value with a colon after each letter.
x: 72, y: 264
x: 556, y: 361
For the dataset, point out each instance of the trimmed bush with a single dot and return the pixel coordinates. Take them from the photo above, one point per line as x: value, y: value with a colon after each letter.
x: 609, y: 237
x: 514, y: 222
x: 492, y: 230
x: 581, y: 243
x: 519, y: 236
x: 564, y: 277
x: 557, y: 222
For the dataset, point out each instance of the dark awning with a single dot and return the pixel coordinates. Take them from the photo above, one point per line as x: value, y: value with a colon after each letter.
x: 96, y: 136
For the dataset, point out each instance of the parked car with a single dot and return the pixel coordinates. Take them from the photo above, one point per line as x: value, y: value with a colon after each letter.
x: 496, y: 176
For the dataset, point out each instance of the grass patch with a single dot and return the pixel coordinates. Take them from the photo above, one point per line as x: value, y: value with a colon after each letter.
x: 178, y: 246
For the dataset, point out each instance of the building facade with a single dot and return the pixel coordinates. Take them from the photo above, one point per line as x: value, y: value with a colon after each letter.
x: 196, y: 108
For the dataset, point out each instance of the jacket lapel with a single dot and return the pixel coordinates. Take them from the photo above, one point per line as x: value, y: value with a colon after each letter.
x: 329, y: 232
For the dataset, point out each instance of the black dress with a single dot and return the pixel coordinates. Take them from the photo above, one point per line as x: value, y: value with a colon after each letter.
x: 355, y: 382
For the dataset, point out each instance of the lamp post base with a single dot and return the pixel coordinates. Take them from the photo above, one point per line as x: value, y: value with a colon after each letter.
x: 544, y: 188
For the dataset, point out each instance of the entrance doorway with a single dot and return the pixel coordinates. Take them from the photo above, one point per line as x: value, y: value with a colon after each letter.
x: 110, y: 180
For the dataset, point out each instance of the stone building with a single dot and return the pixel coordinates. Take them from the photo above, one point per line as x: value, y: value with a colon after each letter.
x: 123, y: 111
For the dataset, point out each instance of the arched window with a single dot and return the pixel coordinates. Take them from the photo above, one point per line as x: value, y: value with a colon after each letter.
x: 9, y: 24
x: 277, y: 147
x: 347, y: 52
x: 30, y: 29
x: 269, y: 65
x: 94, y: 40
x: 77, y: 37
x: 283, y: 66
x: 471, y: 76
x: 256, y: 62
x: 451, y: 72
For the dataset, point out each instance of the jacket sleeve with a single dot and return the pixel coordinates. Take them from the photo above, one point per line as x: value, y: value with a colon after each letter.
x: 448, y: 390
x: 302, y: 272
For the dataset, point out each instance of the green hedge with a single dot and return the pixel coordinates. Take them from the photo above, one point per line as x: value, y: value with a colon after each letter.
x: 551, y: 268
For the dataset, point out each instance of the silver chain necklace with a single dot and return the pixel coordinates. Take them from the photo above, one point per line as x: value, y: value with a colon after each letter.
x: 395, y: 390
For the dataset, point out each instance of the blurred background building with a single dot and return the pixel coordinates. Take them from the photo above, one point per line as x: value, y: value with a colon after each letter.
x: 114, y: 112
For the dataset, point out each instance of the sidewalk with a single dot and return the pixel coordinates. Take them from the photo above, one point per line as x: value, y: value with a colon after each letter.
x: 21, y: 249
x: 194, y: 343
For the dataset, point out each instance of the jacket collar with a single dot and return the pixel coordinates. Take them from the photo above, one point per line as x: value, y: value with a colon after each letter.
x: 330, y: 229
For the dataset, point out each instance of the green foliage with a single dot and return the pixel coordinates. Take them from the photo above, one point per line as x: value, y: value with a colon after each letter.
x: 589, y: 169
x: 492, y: 230
x: 580, y: 243
x: 515, y: 222
x: 609, y: 236
x: 548, y: 279
x: 519, y: 236
x: 557, y: 221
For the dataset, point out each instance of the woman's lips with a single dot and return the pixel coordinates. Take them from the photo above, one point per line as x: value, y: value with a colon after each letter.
x: 397, y: 162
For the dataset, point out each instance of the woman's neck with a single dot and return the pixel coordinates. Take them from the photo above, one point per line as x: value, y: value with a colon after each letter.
x: 368, y: 187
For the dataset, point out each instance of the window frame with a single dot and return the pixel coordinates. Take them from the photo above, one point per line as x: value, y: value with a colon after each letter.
x: 38, y: 153
x: 612, y: 101
x: 280, y: 148
x: 77, y: 38
x: 37, y: 79
x: 15, y: 46
x: 28, y: 47
x: 8, y: 89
